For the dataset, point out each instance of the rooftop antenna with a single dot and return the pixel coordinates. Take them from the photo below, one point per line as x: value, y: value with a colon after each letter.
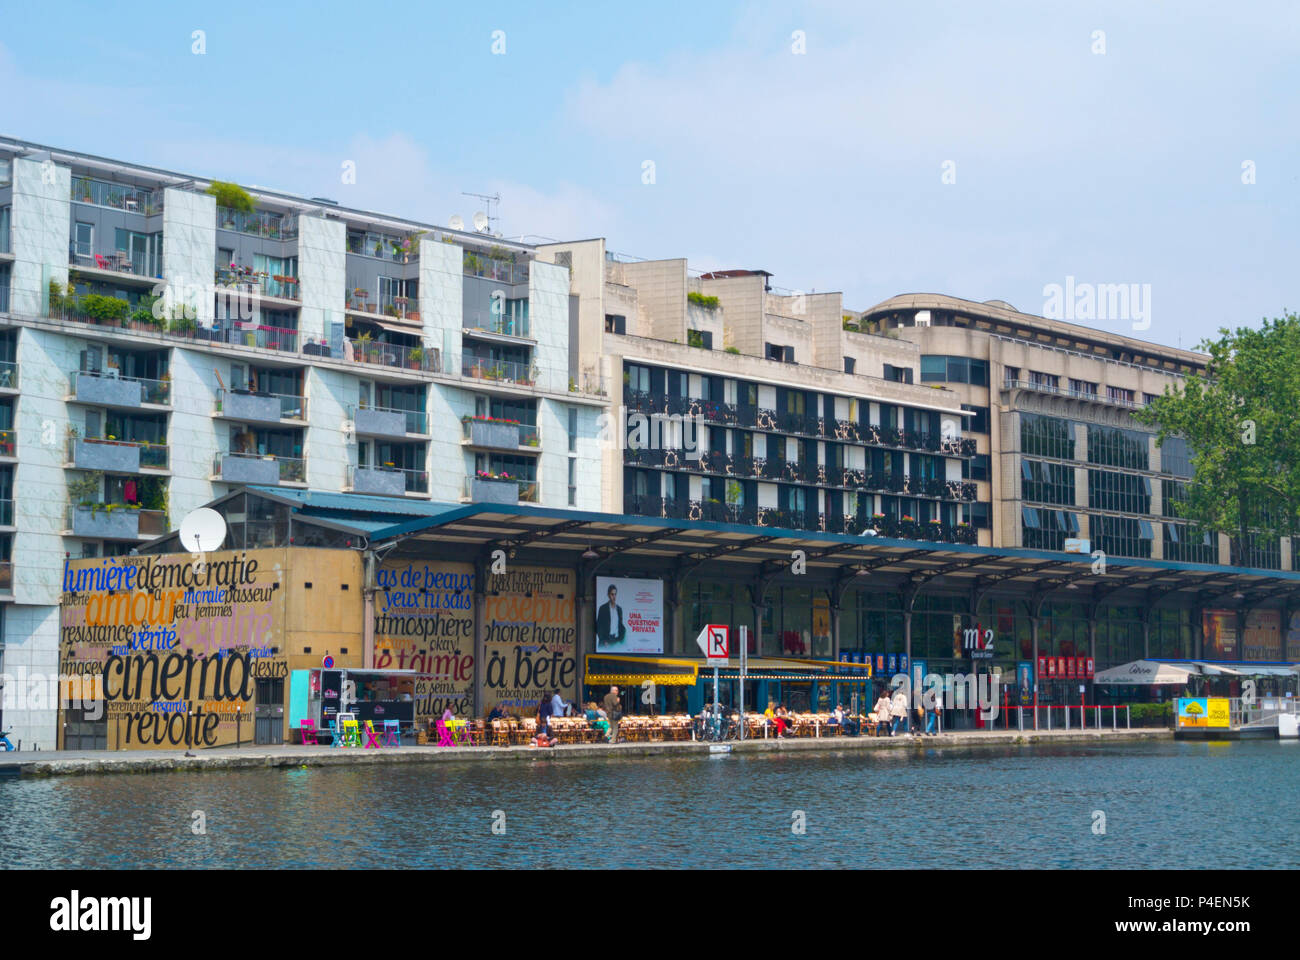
x: 487, y: 217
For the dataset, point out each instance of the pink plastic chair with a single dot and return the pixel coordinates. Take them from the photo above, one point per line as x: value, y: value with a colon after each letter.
x: 444, y: 735
x: 309, y: 733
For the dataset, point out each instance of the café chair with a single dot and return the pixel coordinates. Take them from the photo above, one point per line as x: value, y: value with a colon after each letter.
x: 309, y: 733
x: 444, y: 734
x: 372, y: 737
x: 392, y: 733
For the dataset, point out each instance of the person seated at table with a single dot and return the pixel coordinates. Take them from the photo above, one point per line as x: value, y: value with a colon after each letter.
x: 848, y: 722
x: 836, y: 719
x: 598, y: 719
x: 496, y: 713
x: 783, y: 720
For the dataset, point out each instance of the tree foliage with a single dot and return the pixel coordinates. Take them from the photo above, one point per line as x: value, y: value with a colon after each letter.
x: 1239, y: 421
x: 231, y: 195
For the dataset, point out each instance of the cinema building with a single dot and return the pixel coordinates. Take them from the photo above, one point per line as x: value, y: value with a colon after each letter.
x: 473, y: 606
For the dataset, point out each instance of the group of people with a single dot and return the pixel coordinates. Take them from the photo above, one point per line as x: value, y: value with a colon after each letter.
x: 603, y: 717
x: 891, y: 713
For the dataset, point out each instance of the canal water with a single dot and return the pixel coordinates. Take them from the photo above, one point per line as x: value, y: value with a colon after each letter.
x: 1186, y: 805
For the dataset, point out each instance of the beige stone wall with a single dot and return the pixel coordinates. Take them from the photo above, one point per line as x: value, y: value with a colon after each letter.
x: 742, y: 299
x: 587, y: 281
x: 661, y: 296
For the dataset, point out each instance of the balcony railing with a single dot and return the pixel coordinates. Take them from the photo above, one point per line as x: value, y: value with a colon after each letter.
x: 8, y: 443
x: 268, y: 338
x: 500, y: 490
x: 386, y: 480
x: 506, y: 271
x: 426, y: 358
x: 502, y: 371
x: 258, y: 468
x: 259, y: 223
x: 506, y: 326
x: 107, y: 387
x: 388, y: 421
x: 718, y: 512
x: 6, y: 513
x: 260, y: 407
x: 116, y: 456
x: 280, y: 286
x: 118, y: 196
x: 774, y: 421
x: 148, y: 268
x: 1059, y: 391
x: 114, y: 521
x: 383, y: 246
x: 388, y: 305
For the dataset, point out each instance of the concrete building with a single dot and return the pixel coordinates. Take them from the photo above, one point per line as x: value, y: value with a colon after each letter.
x: 158, y: 350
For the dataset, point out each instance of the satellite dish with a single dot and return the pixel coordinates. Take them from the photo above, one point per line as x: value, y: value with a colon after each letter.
x: 481, y: 223
x: 456, y: 222
x: 203, y: 530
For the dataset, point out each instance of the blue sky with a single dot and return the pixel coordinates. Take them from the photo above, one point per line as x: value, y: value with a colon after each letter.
x: 824, y: 168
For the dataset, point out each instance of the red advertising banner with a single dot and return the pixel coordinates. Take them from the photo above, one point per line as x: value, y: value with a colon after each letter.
x: 1069, y: 667
x: 1042, y: 666
x: 1092, y: 667
x: 1051, y: 666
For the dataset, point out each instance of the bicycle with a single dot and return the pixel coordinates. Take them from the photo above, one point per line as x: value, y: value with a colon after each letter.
x: 716, y: 728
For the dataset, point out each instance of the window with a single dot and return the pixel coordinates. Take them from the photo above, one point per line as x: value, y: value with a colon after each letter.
x: 1149, y: 398
x: 1176, y: 457
x: 1122, y: 536
x: 1261, y: 552
x: 1010, y: 375
x: 1188, y: 545
x: 638, y: 378
x: 573, y: 482
x: 979, y: 515
x: 1046, y: 436
x: 1121, y: 492
x: 774, y: 351
x: 1082, y: 388
x: 1043, y: 529
x: 898, y: 374
x: 83, y: 239
x: 850, y: 364
x: 1047, y: 482
x: 954, y: 370
x: 1114, y: 447
x: 6, y: 213
x: 702, y: 339
x: 573, y: 429
x: 1044, y: 381
x: 1119, y: 395
x: 978, y: 423
x: 976, y: 468
x: 615, y: 323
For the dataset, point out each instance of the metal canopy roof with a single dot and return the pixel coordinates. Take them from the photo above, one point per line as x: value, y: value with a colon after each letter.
x: 543, y: 534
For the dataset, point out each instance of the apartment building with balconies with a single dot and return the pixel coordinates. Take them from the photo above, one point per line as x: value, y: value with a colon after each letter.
x: 158, y: 349
x: 786, y: 437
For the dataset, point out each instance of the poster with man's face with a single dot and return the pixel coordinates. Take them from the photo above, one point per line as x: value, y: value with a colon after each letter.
x: 629, y: 615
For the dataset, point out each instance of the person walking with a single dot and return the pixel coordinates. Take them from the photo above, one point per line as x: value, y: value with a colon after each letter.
x: 882, y: 711
x: 898, y: 711
x: 933, y: 719
x: 613, y: 712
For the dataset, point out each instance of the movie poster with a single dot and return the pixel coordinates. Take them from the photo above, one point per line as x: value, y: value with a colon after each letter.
x: 629, y: 615
x: 530, y: 638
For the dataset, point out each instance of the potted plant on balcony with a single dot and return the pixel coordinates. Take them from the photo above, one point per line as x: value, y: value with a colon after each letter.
x: 364, y: 346
x: 414, y: 357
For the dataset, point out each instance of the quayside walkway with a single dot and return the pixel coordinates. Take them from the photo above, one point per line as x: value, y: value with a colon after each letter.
x: 73, y: 762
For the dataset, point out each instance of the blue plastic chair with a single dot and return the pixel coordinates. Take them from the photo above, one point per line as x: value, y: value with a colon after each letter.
x: 392, y: 733
x: 336, y: 735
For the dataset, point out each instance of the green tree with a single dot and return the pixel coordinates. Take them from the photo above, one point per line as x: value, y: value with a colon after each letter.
x: 1239, y: 420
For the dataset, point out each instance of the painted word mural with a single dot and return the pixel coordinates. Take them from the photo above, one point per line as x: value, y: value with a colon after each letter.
x: 424, y: 621
x: 530, y: 638
x: 176, y: 648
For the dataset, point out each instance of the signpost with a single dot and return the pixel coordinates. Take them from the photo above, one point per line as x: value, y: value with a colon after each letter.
x: 714, y: 641
x: 744, y: 664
